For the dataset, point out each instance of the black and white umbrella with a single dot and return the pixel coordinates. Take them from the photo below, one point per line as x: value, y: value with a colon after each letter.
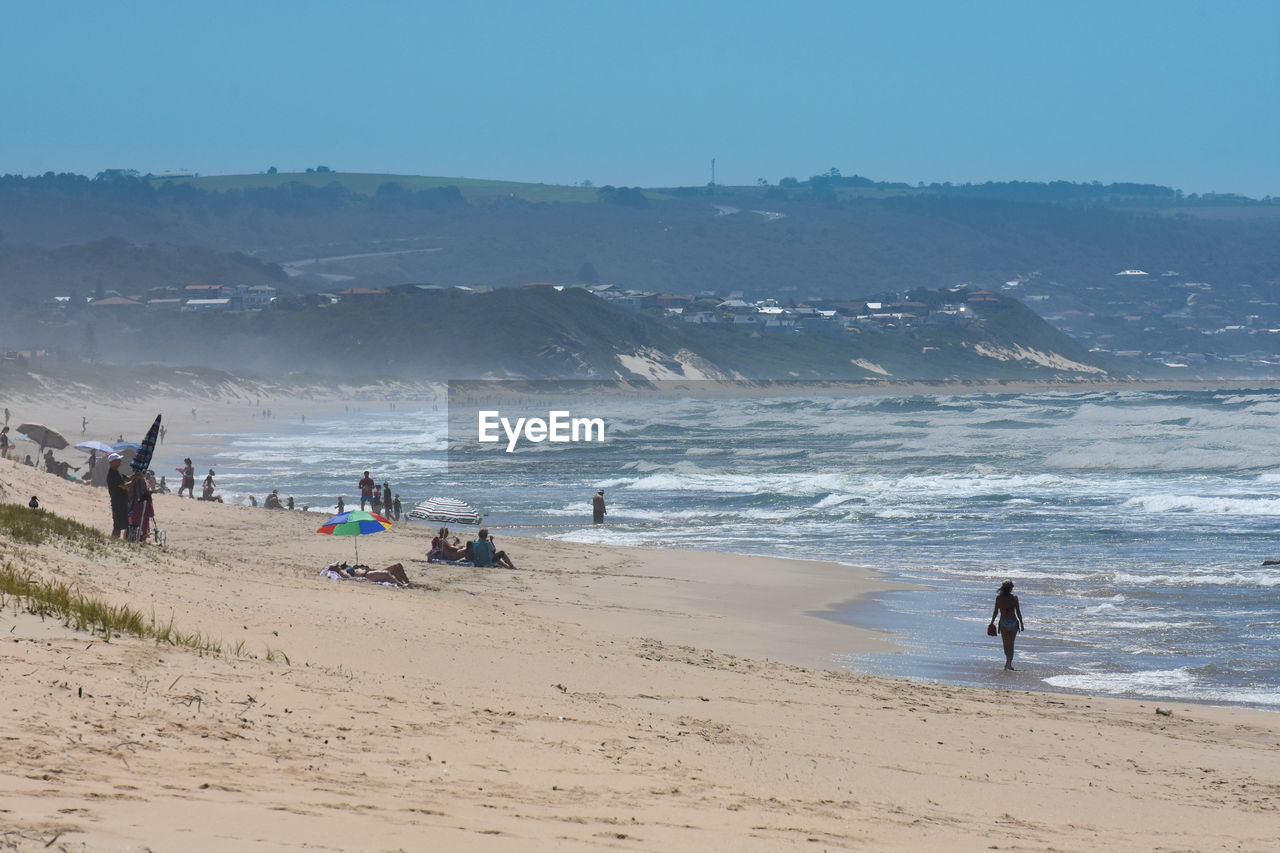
x: 446, y: 510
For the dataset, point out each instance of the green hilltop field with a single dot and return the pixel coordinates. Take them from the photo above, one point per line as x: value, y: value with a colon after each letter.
x: 476, y: 190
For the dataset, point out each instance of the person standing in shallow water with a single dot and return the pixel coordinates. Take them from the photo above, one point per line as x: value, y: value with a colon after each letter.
x: 597, y: 507
x: 1010, y: 614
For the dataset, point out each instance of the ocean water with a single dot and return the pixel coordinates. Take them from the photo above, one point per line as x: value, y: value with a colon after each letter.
x: 1133, y: 523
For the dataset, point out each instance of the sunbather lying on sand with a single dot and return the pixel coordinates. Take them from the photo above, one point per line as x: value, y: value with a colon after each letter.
x: 393, y: 573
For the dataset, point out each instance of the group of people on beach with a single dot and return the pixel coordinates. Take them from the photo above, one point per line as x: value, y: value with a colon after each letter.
x: 481, y: 551
x: 131, y: 506
x: 379, y: 499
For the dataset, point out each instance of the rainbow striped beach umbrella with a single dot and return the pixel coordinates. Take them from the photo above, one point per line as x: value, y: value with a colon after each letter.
x: 354, y: 522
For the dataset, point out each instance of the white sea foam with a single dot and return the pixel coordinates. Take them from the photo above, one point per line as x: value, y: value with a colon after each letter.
x: 1200, y: 579
x: 1148, y: 681
x: 1205, y: 504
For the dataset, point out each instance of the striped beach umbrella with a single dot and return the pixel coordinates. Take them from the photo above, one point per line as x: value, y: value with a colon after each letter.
x: 354, y: 522
x: 446, y: 510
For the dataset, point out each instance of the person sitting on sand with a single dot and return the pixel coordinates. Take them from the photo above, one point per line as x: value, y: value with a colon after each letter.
x: 393, y: 573
x: 444, y: 548
x: 206, y: 493
x: 162, y: 488
x: 485, y: 553
x: 53, y: 466
x: 253, y: 501
x: 273, y: 500
x: 1010, y: 614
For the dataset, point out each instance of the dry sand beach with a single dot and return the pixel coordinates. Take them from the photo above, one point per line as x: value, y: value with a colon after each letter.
x: 596, y: 698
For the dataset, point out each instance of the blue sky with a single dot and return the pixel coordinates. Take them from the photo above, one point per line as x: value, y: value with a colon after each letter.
x: 1185, y: 94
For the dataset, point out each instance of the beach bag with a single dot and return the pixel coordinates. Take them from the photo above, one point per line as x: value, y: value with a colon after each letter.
x: 991, y: 629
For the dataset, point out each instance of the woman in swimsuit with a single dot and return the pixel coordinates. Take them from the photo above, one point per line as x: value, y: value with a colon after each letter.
x: 1010, y: 619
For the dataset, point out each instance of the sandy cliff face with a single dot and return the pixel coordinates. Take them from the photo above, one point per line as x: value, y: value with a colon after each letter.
x: 684, y: 364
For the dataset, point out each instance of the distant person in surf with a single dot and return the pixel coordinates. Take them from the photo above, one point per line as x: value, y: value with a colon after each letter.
x: 386, y: 498
x: 367, y: 485
x: 597, y: 507
x: 1010, y: 619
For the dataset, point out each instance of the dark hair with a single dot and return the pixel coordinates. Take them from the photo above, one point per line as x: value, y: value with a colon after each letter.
x: 1007, y: 586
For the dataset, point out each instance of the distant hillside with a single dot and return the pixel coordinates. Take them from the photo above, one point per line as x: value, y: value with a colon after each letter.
x: 826, y: 237
x: 543, y: 333
x: 30, y: 273
x: 1207, y: 293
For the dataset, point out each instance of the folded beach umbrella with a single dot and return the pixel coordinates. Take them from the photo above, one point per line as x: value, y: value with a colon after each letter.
x: 142, y: 459
x: 447, y: 510
x: 44, y: 436
x: 354, y: 522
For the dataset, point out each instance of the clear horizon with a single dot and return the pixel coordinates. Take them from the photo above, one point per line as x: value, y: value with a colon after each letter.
x: 1179, y: 93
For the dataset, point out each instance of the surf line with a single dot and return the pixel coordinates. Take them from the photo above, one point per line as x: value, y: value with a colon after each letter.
x: 559, y: 426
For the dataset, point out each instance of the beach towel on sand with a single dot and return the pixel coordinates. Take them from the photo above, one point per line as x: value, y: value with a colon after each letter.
x: 450, y: 562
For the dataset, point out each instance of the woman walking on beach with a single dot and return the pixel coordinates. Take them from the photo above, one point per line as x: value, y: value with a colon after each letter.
x: 1010, y: 619
x: 188, y: 478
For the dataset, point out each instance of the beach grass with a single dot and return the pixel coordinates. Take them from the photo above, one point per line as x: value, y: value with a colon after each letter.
x: 37, y: 526
x: 61, y: 601
x: 24, y: 590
